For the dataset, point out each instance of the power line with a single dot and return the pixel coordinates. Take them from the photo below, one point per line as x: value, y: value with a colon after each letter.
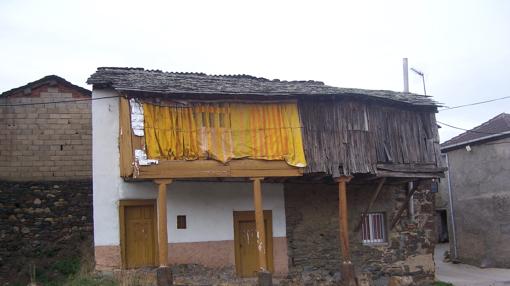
x: 472, y: 131
x: 475, y: 103
x: 116, y: 96
x: 60, y: 101
x: 91, y: 99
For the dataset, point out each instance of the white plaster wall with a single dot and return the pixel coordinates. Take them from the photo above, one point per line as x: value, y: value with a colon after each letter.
x: 208, y: 206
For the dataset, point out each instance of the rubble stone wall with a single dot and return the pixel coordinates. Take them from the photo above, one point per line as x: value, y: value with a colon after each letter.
x: 313, y: 234
x: 41, y: 222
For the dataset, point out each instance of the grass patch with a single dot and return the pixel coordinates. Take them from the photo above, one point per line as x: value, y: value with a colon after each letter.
x: 441, y: 283
x: 68, y: 266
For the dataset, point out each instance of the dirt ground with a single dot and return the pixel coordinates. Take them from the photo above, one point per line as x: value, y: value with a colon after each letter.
x: 467, y: 275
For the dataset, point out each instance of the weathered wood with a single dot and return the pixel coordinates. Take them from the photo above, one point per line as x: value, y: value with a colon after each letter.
x: 212, y: 169
x: 355, y: 136
x: 393, y: 174
x: 125, y: 146
x: 259, y: 224
x: 409, y: 195
x: 184, y: 169
x: 411, y: 168
x: 371, y: 203
x: 162, y: 223
x: 243, y: 164
x: 265, y: 173
x: 164, y: 276
x: 347, y: 268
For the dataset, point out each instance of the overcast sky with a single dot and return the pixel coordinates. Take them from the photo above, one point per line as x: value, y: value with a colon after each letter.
x: 463, y: 47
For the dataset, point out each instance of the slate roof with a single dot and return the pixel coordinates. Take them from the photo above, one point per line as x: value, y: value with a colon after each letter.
x: 155, y: 81
x: 490, y: 130
x: 49, y: 79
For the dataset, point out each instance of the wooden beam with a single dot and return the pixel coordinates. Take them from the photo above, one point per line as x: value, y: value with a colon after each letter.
x: 371, y: 203
x: 212, y: 169
x: 266, y: 173
x: 411, y: 168
x: 347, y: 268
x: 184, y: 169
x: 259, y: 224
x: 125, y: 146
x: 409, y: 195
x: 162, y: 222
x: 393, y: 174
x: 252, y: 164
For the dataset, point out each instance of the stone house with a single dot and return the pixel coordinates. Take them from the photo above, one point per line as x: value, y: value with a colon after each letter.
x: 477, y: 182
x: 45, y: 174
x: 240, y: 176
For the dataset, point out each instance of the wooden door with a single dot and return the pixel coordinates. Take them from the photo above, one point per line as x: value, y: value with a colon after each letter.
x: 245, y: 237
x: 139, y: 240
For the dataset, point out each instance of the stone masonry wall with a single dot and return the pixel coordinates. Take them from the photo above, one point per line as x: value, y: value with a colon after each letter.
x: 313, y: 235
x: 45, y: 142
x: 41, y: 223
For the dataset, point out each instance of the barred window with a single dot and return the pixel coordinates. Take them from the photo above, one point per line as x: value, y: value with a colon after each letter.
x: 373, y: 228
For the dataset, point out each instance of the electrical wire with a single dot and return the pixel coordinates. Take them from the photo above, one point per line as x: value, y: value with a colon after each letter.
x: 56, y: 102
x: 471, y: 131
x: 116, y: 96
x: 474, y: 103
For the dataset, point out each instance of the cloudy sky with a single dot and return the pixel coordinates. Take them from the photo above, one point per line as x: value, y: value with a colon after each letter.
x: 463, y: 47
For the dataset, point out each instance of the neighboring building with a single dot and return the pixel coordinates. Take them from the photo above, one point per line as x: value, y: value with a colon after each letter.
x: 45, y: 142
x: 45, y: 177
x: 258, y: 173
x: 478, y: 171
x: 442, y: 208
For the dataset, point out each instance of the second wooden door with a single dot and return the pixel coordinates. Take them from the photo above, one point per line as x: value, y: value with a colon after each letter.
x: 246, y: 242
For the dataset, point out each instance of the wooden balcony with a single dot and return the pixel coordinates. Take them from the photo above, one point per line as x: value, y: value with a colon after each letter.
x: 166, y: 169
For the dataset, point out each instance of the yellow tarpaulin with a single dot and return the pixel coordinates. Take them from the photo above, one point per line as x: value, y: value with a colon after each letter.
x: 224, y: 131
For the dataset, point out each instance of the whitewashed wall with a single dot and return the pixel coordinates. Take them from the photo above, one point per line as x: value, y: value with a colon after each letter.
x: 208, y: 206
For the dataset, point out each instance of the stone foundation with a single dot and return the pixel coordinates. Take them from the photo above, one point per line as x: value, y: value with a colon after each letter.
x: 312, y: 232
x: 41, y: 222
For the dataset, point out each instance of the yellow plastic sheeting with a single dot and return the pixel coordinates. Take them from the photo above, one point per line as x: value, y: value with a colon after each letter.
x: 225, y: 131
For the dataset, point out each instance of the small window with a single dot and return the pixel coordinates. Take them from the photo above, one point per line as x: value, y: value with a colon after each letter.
x: 181, y: 222
x: 373, y: 228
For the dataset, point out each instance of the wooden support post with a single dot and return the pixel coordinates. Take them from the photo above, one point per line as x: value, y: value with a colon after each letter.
x: 162, y: 225
x: 371, y: 203
x: 347, y: 268
x: 259, y: 224
x: 409, y: 195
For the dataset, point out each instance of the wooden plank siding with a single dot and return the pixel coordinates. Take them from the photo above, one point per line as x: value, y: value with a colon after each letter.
x: 349, y: 137
x: 340, y: 137
x: 125, y: 139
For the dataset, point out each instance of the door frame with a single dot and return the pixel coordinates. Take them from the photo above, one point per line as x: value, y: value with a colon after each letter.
x: 250, y: 216
x: 122, y: 226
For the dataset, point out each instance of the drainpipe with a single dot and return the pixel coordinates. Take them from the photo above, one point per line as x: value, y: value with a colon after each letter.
x: 452, y: 214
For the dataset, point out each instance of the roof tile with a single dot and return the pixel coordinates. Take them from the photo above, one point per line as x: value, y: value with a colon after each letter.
x: 155, y: 81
